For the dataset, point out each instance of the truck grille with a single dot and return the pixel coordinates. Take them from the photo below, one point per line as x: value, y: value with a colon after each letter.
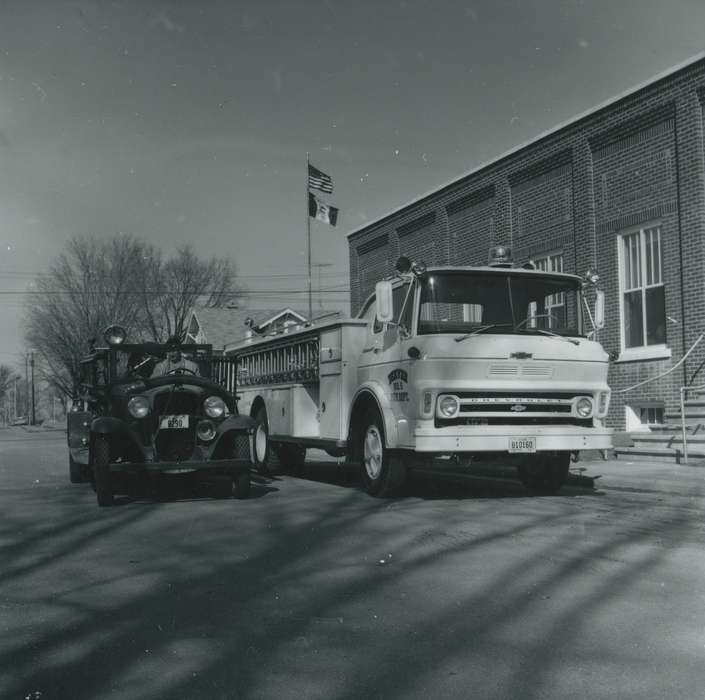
x: 176, y: 445
x: 515, y: 408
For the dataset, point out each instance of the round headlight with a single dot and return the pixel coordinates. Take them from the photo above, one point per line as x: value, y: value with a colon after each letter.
x: 138, y: 406
x: 205, y: 430
x: 448, y: 406
x: 114, y: 335
x: 583, y: 407
x: 214, y: 406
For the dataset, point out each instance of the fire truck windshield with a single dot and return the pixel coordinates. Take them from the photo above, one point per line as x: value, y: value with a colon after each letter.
x: 461, y: 301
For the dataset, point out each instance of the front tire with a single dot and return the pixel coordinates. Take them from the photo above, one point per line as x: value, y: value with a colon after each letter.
x: 261, y: 442
x: 382, y: 473
x: 101, y: 472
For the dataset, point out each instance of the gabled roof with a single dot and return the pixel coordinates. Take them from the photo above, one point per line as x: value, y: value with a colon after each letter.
x: 227, y: 324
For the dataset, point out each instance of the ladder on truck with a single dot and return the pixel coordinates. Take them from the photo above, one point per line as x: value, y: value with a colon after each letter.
x: 290, y: 360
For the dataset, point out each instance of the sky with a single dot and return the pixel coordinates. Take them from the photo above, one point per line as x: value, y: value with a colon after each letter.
x: 189, y: 121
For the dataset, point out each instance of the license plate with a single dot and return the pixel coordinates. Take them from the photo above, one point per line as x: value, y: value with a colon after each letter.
x: 177, y: 422
x: 525, y: 444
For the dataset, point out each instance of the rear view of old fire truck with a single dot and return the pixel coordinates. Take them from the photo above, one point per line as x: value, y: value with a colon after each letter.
x: 494, y: 363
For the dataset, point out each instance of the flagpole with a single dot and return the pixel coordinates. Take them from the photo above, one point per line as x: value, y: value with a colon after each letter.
x: 308, y: 242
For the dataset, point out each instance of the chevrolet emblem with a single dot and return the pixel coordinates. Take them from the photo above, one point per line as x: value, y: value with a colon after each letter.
x: 518, y: 407
x: 521, y: 356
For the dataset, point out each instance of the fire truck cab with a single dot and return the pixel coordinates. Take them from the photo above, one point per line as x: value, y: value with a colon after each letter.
x: 476, y: 363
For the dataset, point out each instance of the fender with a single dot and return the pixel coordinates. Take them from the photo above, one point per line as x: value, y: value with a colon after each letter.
x: 240, y: 423
x: 384, y: 407
x: 109, y: 425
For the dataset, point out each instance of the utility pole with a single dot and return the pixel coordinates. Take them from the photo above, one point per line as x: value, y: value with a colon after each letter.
x: 31, y: 362
x: 26, y: 381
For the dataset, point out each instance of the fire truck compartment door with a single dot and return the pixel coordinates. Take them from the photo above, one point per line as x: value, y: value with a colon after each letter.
x: 330, y: 408
x: 293, y: 411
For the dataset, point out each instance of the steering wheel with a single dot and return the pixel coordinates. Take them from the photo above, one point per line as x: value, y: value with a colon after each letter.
x: 548, y: 314
x: 182, y: 370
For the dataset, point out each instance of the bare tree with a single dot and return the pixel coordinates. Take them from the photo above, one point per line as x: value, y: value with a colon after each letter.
x: 7, y: 377
x: 88, y: 287
x: 172, y: 287
x: 123, y: 280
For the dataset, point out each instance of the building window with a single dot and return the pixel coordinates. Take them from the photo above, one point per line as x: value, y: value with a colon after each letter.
x: 554, y: 305
x: 651, y: 415
x: 642, y: 289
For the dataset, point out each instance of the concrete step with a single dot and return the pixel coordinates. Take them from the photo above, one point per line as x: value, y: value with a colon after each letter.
x: 661, y: 454
x: 664, y: 438
x: 676, y: 426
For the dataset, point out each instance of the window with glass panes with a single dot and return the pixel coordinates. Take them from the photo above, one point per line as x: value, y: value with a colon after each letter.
x: 554, y: 305
x: 643, y: 295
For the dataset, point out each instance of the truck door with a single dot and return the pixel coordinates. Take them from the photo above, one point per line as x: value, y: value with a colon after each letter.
x: 383, y: 360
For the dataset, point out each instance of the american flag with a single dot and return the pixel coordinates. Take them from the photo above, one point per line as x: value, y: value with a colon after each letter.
x: 318, y: 180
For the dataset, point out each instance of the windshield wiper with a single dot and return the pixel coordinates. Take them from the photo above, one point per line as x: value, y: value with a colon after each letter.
x: 479, y: 330
x: 551, y: 334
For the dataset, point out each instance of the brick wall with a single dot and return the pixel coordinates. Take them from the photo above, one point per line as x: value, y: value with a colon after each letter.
x: 638, y: 161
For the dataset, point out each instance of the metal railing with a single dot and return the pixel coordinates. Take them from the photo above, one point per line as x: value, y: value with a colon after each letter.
x: 683, y: 398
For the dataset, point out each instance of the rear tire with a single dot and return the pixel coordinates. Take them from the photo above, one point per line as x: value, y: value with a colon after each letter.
x: 545, y: 474
x: 261, y: 442
x: 101, y: 471
x: 383, y: 474
x: 292, y: 458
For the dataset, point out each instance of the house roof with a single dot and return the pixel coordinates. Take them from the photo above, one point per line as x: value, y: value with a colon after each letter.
x: 227, y: 325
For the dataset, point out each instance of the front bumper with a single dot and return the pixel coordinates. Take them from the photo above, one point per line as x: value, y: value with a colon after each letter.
x: 495, y: 438
x: 213, y: 466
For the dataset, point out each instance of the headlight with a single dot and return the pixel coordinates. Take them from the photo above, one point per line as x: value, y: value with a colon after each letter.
x: 214, y: 406
x: 114, y: 335
x: 205, y: 430
x: 138, y: 406
x: 583, y: 407
x: 448, y: 406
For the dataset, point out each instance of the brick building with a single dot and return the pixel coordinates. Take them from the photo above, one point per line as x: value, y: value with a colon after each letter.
x: 620, y: 188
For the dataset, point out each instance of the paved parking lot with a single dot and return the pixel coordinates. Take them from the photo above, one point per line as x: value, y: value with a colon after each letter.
x: 463, y: 587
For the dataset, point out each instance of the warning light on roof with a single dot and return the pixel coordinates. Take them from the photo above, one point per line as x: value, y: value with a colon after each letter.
x: 500, y: 256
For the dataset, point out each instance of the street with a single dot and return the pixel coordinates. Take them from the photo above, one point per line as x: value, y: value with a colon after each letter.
x: 461, y: 588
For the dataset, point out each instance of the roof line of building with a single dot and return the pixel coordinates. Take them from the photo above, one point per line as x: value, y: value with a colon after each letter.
x: 543, y: 135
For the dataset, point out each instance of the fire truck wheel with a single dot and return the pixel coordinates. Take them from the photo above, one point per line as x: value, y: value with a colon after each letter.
x: 382, y: 474
x: 545, y: 474
x: 292, y: 458
x: 262, y: 447
x: 101, y: 471
x: 75, y: 471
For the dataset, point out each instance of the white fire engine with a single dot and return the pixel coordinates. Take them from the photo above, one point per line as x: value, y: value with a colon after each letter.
x: 461, y: 362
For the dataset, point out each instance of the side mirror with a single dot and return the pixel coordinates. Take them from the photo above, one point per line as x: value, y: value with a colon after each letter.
x: 385, y: 308
x: 599, y: 309
x: 533, y: 307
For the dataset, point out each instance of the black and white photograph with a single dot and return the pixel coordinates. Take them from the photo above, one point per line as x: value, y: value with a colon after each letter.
x: 352, y: 350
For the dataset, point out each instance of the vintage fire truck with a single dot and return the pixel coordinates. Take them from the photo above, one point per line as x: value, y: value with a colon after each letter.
x: 494, y: 363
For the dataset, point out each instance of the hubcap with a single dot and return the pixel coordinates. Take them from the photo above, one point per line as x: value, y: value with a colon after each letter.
x: 260, y: 443
x: 373, y: 452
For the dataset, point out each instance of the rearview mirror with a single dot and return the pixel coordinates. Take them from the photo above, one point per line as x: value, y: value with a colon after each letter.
x: 383, y: 294
x: 599, y: 309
